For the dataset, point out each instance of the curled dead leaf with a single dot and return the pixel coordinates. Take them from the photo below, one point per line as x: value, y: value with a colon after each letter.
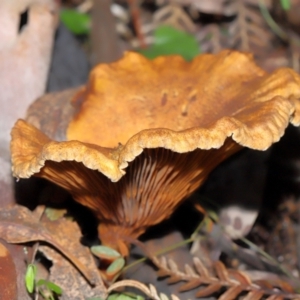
x: 62, y: 271
x: 19, y: 225
x: 8, y: 275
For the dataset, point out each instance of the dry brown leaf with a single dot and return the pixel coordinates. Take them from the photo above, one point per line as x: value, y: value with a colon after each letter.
x: 8, y: 275
x: 52, y: 113
x: 62, y: 272
x: 19, y: 257
x: 19, y: 225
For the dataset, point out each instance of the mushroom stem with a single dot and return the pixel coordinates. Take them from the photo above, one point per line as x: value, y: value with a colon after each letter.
x: 118, y: 237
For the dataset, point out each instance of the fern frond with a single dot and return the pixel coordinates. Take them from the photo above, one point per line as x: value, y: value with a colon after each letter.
x: 227, y: 283
x: 149, y: 291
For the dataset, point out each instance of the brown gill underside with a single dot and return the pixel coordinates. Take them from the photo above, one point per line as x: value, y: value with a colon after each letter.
x: 155, y: 183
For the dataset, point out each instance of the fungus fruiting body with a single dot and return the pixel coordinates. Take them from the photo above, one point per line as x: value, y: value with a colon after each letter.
x: 146, y: 134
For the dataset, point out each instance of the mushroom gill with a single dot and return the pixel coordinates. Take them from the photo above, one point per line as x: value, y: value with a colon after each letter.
x: 147, y: 134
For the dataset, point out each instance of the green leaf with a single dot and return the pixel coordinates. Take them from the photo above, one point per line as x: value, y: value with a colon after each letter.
x: 30, y: 277
x: 168, y: 41
x: 286, y: 4
x: 78, y: 23
x: 50, y: 285
x: 105, y: 252
x: 115, y: 267
x: 54, y: 214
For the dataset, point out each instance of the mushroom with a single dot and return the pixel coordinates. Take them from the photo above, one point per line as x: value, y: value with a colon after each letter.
x: 146, y: 134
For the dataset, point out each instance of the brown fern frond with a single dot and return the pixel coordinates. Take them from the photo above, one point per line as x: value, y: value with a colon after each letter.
x: 275, y: 297
x: 239, y: 276
x: 173, y: 279
x: 174, y: 15
x: 249, y: 30
x: 232, y: 292
x: 189, y: 270
x: 221, y: 271
x: 190, y: 285
x: 209, y: 290
x: 201, y: 269
x: 150, y: 290
x: 227, y: 283
x: 254, y: 295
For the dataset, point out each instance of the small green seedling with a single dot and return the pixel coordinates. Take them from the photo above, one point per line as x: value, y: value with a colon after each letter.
x: 30, y: 278
x: 78, y: 23
x: 169, y: 41
x: 106, y: 253
x: 285, y: 4
x: 45, y: 288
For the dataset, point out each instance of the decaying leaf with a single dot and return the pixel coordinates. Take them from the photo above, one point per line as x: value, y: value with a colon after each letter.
x: 145, y: 137
x: 19, y: 225
x: 62, y: 271
x: 18, y: 256
x: 8, y: 275
x: 52, y: 113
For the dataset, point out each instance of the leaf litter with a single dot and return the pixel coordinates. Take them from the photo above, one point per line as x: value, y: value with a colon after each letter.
x: 73, y: 263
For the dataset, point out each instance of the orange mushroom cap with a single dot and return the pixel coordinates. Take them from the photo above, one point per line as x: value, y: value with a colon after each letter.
x: 147, y: 134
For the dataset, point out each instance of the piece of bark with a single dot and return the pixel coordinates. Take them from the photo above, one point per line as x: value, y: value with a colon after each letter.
x: 104, y: 38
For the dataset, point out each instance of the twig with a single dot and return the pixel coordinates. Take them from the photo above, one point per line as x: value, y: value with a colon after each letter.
x: 136, y: 19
